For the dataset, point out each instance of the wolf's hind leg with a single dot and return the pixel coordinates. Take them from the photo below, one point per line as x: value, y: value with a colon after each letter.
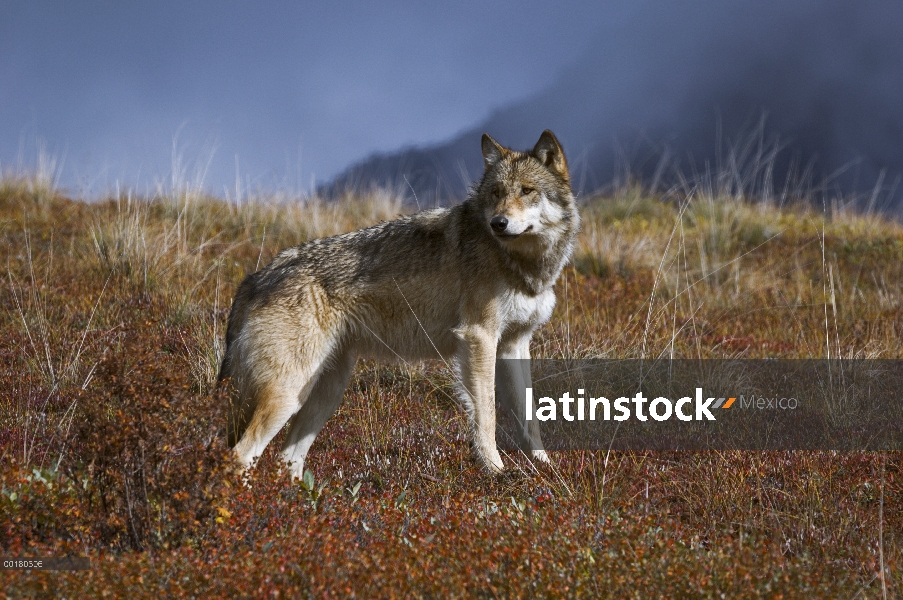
x: 278, y: 401
x: 322, y: 402
x: 273, y: 401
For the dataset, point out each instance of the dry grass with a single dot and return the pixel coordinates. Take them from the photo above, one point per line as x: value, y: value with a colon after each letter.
x: 112, y: 442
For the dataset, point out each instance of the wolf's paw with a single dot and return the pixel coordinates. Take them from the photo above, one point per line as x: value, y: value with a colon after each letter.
x: 240, y: 469
x: 541, y: 456
x: 492, y: 462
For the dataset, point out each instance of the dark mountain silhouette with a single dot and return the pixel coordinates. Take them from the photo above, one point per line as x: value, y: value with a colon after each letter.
x: 680, y: 86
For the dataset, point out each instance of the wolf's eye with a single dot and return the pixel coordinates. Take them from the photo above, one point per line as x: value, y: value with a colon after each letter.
x: 525, y: 191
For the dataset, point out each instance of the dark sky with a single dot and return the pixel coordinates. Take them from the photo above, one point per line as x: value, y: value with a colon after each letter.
x: 285, y: 92
x: 681, y: 86
x: 131, y: 91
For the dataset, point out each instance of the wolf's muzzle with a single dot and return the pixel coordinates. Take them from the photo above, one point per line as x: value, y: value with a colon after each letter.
x: 498, y: 223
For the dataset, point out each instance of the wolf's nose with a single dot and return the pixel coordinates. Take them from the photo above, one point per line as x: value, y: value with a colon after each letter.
x: 498, y: 223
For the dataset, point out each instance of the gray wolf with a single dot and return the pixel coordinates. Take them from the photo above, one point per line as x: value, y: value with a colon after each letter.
x: 466, y: 284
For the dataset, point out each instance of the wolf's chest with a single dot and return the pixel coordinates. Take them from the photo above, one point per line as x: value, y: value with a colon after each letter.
x: 517, y: 309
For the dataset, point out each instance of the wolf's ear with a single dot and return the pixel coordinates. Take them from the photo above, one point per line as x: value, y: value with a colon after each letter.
x: 548, y: 151
x: 493, y: 152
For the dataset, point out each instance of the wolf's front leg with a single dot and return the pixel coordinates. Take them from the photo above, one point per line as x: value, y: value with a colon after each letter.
x: 512, y: 378
x: 476, y: 366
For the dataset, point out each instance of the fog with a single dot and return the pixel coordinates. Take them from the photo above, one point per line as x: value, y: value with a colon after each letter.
x: 673, y: 89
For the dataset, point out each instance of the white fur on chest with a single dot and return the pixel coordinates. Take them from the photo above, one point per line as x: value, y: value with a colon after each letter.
x: 522, y: 311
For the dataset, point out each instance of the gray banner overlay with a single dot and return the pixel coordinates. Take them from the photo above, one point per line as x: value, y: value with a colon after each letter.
x: 744, y: 404
x: 54, y: 563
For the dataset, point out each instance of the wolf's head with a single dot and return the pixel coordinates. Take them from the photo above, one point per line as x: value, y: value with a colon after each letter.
x: 526, y: 197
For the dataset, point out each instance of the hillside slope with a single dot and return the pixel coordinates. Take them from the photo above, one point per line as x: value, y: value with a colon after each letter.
x: 112, y: 440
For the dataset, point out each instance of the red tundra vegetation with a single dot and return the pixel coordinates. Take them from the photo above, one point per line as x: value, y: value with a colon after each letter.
x: 112, y: 438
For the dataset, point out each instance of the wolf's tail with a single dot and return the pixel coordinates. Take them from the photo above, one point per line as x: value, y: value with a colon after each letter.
x: 240, y: 397
x: 230, y: 372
